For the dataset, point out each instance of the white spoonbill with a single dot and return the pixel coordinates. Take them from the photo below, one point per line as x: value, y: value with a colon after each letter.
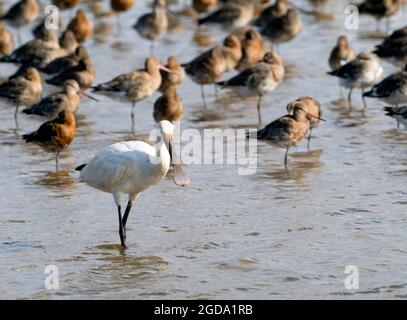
x: 132, y: 167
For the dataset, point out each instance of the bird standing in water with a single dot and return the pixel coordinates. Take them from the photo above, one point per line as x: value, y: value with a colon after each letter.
x: 119, y: 6
x: 151, y: 25
x: 261, y: 78
x: 129, y: 168
x: 362, y: 72
x: 23, y: 89
x: 286, y: 131
x: 314, y: 113
x: 55, y: 135
x: 210, y: 65
x: 136, y: 85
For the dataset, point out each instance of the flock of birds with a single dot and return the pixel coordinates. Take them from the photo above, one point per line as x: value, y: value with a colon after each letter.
x: 256, y: 29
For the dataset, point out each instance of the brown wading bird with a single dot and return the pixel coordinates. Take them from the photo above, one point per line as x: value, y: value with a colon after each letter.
x: 380, y: 9
x: 341, y: 54
x: 202, y: 6
x: 232, y: 52
x: 55, y: 135
x: 313, y: 109
x: 6, y: 40
x: 151, y: 25
x: 169, y: 106
x: 276, y: 10
x: 286, y: 131
x: 65, y: 4
x: 83, y: 73
x: 175, y: 78
x: 22, y: 89
x: 209, y: 66
x: 44, y: 55
x: 231, y: 15
x: 66, y: 100
x: 62, y: 63
x: 394, y: 48
x: 362, y: 72
x: 134, y: 86
x: 261, y: 78
x: 284, y: 28
x: 22, y: 13
x: 119, y: 6
x: 27, y: 54
x: 81, y: 27
x: 252, y: 49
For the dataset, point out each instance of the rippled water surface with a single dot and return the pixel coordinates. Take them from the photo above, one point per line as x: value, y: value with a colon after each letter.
x: 281, y: 233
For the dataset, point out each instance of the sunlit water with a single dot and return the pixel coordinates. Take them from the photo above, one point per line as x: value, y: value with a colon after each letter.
x: 281, y: 233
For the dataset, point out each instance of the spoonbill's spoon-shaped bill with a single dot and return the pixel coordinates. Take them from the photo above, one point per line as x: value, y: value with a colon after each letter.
x: 180, y: 176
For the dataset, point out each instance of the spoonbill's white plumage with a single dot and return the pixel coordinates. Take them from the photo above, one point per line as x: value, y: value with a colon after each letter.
x: 129, y: 168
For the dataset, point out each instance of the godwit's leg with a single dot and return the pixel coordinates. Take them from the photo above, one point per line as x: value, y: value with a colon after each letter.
x: 259, y: 109
x: 121, y: 229
x: 363, y: 98
x: 19, y: 38
x: 309, y: 138
x: 398, y: 122
x: 286, y: 158
x: 388, y: 25
x: 133, y: 123
x: 16, y: 116
x: 203, y: 96
x: 57, y: 161
x: 216, y: 90
x: 350, y: 99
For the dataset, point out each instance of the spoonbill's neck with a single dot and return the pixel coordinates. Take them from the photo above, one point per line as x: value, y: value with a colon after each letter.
x: 163, y: 154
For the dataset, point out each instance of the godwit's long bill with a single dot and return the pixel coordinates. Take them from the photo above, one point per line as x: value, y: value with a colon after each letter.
x: 129, y: 168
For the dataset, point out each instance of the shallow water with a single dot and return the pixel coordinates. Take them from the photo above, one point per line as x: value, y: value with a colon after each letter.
x: 281, y: 233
